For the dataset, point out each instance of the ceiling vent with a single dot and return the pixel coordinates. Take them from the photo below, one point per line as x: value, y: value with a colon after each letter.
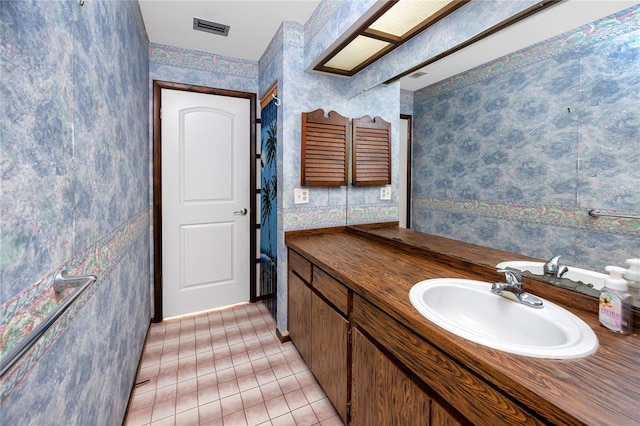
x: 418, y: 74
x: 210, y: 27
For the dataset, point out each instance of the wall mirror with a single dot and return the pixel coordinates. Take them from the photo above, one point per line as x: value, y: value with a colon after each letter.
x: 525, y: 36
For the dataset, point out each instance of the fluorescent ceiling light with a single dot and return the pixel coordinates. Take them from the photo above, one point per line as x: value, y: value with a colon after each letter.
x: 394, y: 24
x: 406, y: 15
x: 356, y: 52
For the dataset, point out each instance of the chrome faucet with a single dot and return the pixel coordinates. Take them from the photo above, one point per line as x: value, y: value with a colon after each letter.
x: 513, y: 289
x: 553, y: 268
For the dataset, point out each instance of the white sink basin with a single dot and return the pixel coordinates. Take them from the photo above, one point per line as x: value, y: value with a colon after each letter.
x: 596, y: 279
x: 468, y: 309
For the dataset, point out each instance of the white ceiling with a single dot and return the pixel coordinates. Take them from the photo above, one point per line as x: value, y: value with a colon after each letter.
x: 255, y: 22
x: 549, y: 23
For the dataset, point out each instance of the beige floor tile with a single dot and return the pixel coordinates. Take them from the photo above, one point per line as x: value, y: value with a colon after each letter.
x: 276, y: 407
x: 225, y: 368
x: 256, y: 414
x: 304, y: 416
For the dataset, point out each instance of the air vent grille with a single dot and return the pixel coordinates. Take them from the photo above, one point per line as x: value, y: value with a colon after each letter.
x: 210, y: 27
x: 418, y: 74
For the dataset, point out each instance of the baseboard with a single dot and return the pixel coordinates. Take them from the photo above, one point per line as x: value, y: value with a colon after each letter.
x: 283, y: 337
x: 134, y: 384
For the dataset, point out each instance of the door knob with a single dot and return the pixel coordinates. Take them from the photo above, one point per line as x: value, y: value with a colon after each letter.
x: 240, y: 212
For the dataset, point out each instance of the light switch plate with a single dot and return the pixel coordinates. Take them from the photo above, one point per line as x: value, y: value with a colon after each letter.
x: 385, y: 193
x: 301, y: 195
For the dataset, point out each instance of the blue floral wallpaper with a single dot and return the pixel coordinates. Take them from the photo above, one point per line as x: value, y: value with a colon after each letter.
x: 546, y: 134
x: 298, y: 92
x: 75, y: 195
x: 406, y: 102
x: 514, y: 153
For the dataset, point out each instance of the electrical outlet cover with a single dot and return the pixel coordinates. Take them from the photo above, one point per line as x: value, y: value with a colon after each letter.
x: 301, y: 195
x: 385, y: 193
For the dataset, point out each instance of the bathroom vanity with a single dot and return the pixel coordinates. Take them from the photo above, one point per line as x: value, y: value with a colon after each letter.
x: 381, y: 362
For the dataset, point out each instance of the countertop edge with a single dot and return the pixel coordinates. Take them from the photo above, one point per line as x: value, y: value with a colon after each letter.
x: 485, y: 362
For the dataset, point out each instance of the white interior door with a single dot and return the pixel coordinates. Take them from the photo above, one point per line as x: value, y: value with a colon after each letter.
x: 205, y: 201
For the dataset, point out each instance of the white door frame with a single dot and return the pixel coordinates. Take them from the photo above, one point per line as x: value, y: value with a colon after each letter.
x: 157, y: 184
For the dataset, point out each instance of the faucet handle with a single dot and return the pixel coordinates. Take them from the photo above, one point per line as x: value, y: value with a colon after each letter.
x: 554, y: 268
x: 562, y: 269
x: 551, y: 266
x: 513, y: 277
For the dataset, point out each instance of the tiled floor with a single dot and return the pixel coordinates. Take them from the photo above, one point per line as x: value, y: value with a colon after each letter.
x: 225, y: 368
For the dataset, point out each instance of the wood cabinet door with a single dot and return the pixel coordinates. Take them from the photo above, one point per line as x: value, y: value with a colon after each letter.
x: 329, y: 361
x: 381, y: 394
x: 441, y: 417
x: 299, y: 316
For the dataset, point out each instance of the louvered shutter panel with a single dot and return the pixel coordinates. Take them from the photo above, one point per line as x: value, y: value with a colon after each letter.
x: 371, y: 160
x: 324, y: 149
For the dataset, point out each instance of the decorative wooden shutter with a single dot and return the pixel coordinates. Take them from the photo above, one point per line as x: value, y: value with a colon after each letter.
x: 371, y: 158
x: 324, y: 149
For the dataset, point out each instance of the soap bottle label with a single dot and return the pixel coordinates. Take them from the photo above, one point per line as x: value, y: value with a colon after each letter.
x: 610, y: 313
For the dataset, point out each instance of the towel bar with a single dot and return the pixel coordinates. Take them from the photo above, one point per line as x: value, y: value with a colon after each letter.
x: 60, y: 282
x: 598, y: 213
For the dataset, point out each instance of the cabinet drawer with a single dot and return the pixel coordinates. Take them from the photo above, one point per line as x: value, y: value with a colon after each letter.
x: 300, y: 266
x: 327, y: 286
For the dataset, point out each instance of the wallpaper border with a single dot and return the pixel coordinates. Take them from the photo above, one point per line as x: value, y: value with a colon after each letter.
x: 288, y: 34
x: 577, y: 218
x: 24, y: 311
x: 319, y: 17
x: 330, y: 216
x: 372, y: 213
x: 313, y: 217
x: 201, y: 61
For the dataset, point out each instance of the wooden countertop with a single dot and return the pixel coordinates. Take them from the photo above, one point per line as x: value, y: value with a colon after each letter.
x: 381, y: 264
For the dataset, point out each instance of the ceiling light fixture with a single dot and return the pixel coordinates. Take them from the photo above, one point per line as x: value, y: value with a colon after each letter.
x: 395, y: 23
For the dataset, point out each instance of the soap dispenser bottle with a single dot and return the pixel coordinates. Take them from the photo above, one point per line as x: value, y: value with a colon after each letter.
x: 615, y: 302
x: 633, y: 279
